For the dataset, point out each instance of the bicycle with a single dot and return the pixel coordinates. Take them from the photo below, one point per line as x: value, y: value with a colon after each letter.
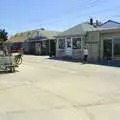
x: 18, y: 59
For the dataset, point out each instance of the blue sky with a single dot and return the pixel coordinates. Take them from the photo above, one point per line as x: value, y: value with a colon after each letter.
x: 22, y: 15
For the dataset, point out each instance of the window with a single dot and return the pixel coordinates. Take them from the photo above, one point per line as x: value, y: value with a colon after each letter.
x: 68, y: 43
x: 76, y: 43
x: 61, y: 43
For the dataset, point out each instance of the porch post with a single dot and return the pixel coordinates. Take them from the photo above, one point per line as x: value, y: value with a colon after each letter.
x: 112, y: 49
x: 81, y: 47
x: 57, y: 44
x: 81, y: 43
x: 101, y: 48
x: 72, y: 45
x: 49, y: 48
x: 71, y: 42
x: 65, y: 46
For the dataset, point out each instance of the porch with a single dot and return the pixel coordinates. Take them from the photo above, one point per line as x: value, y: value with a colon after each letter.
x: 70, y: 47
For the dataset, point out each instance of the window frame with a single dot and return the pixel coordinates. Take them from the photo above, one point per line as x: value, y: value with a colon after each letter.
x: 80, y: 43
x: 59, y: 43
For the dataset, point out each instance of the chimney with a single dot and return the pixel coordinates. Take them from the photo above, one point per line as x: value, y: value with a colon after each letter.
x: 91, y: 21
x: 42, y: 28
x: 97, y: 23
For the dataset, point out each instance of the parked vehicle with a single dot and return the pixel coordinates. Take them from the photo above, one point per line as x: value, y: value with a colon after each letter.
x: 6, y: 60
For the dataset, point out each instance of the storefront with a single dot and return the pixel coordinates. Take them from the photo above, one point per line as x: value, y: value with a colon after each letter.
x: 111, y: 48
x: 102, y: 43
x: 69, y: 47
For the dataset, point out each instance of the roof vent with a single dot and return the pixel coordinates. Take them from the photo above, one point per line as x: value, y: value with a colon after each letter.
x: 98, y: 23
x: 91, y: 21
x: 42, y: 29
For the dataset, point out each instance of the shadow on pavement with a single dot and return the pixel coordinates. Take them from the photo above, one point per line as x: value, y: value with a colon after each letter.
x: 7, y: 72
x: 66, y: 59
x: 109, y: 63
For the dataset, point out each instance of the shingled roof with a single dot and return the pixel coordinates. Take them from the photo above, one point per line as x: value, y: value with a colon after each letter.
x: 16, y: 39
x: 79, y: 29
x: 21, y: 37
x: 47, y: 34
x: 111, y: 24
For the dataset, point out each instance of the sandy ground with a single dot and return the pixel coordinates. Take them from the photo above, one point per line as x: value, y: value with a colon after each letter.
x: 44, y: 89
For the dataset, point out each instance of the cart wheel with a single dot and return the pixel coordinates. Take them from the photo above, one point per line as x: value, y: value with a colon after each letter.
x: 12, y: 69
x: 19, y: 61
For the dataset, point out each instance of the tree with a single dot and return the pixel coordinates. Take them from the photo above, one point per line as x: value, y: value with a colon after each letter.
x: 3, y: 36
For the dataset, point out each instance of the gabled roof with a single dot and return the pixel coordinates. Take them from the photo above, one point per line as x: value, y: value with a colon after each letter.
x: 111, y: 24
x: 85, y: 27
x: 16, y: 39
x: 79, y: 29
x: 42, y: 35
x: 47, y: 34
x: 33, y: 34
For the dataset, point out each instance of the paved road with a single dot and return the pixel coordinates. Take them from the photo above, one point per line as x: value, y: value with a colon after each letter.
x: 43, y: 89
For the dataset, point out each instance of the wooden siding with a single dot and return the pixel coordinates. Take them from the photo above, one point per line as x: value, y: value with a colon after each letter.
x: 60, y: 53
x: 77, y: 53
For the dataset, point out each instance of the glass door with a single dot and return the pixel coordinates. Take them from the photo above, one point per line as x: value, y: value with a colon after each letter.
x: 107, y: 46
x: 117, y: 48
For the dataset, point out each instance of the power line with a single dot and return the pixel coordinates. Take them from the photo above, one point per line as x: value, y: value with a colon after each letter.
x: 91, y: 4
x: 88, y: 6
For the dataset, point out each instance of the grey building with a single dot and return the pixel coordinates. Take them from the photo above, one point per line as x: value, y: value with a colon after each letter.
x: 102, y: 41
x: 44, y: 43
